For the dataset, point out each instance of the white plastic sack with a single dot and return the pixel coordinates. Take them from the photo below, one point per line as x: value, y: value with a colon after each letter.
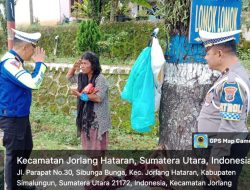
x: 157, y: 64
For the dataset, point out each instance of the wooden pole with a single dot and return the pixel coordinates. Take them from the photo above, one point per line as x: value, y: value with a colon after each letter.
x: 31, y: 11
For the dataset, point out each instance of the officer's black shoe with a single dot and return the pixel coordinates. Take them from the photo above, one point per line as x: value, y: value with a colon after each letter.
x: 24, y: 187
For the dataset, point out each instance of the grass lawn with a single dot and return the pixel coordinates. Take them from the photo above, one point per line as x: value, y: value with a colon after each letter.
x: 57, y: 131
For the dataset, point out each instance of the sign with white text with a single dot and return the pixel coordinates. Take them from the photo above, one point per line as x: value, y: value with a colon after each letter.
x: 213, y: 16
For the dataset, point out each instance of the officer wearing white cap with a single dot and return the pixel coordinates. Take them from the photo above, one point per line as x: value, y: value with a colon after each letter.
x: 16, y: 85
x: 226, y: 105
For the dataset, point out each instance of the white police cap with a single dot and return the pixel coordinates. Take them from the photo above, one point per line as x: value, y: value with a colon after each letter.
x: 27, y: 37
x: 210, y: 39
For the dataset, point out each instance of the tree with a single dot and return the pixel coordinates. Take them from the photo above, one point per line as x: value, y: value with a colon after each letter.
x: 90, y: 9
x: 96, y: 9
x: 88, y: 36
x: 188, y: 78
x: 187, y: 81
x: 143, y: 3
x: 113, y: 8
x: 246, y: 5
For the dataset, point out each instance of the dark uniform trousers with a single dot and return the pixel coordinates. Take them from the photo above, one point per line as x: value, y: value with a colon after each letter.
x: 237, y: 151
x: 18, y: 142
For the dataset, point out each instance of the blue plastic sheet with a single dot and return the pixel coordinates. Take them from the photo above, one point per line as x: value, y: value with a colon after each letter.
x: 139, y: 91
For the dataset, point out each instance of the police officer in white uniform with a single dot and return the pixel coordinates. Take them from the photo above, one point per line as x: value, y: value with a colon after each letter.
x: 16, y: 85
x: 226, y: 105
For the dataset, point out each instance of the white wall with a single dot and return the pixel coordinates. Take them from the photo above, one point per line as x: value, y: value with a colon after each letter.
x: 47, y: 12
x: 134, y: 10
x: 64, y: 9
x: 22, y: 12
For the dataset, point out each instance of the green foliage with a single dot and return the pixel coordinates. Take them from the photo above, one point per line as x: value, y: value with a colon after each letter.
x: 245, y: 5
x: 127, y: 39
x: 88, y: 36
x: 119, y: 42
x: 120, y: 140
x: 106, y: 11
x: 96, y: 9
x: 244, y: 50
x: 176, y: 15
x: 67, y: 38
x: 91, y: 9
x: 81, y: 9
x: 143, y: 3
x: 123, y: 8
x: 244, y: 54
x: 3, y: 42
x: 246, y: 63
x: 47, y: 126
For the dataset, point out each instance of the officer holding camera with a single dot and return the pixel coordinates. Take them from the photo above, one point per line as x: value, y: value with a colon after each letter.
x: 227, y: 103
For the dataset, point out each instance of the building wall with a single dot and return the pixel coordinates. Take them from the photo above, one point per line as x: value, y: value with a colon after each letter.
x: 22, y: 12
x: 65, y: 6
x: 45, y: 12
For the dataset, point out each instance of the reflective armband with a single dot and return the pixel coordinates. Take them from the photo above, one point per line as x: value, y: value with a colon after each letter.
x: 84, y: 97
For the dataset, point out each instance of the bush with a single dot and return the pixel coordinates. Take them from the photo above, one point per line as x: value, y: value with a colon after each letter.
x: 117, y: 40
x: 88, y: 35
x: 244, y: 50
x: 127, y: 39
x: 244, y: 54
x: 67, y: 39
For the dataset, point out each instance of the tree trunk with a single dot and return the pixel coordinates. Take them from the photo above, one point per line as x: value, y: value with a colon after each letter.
x: 183, y: 91
x: 114, y: 4
x: 185, y: 86
x: 96, y: 9
x: 187, y: 80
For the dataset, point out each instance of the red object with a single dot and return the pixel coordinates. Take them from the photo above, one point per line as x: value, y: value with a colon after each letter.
x: 88, y: 88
